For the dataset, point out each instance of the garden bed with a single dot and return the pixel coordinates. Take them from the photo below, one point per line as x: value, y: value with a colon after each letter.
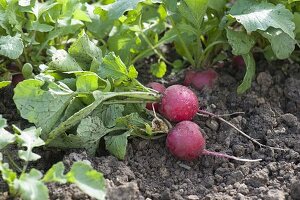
x: 272, y: 113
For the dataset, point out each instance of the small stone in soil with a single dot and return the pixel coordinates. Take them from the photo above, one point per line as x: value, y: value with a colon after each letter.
x: 275, y: 194
x: 295, y: 191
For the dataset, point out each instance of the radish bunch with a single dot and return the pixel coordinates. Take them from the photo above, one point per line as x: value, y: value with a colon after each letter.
x: 185, y: 141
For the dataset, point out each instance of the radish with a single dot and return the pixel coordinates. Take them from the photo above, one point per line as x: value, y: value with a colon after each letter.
x: 17, y: 78
x: 178, y: 103
x: 186, y: 142
x: 238, y: 62
x: 160, y: 88
x: 189, y: 75
x: 201, y: 80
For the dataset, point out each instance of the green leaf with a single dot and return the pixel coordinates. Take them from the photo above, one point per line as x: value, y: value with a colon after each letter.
x: 4, y: 84
x: 297, y: 23
x: 30, y: 187
x: 5, y: 137
x: 36, y: 26
x: 11, y: 47
x: 113, y: 67
x: 64, y: 26
x: 116, y: 9
x: 81, y: 15
x: 193, y: 11
x: 39, y: 8
x: 240, y: 41
x: 88, y: 180
x: 56, y: 174
x: 87, y: 82
x: 282, y: 44
x: 117, y: 144
x: 63, y: 62
x: 29, y: 138
x: 159, y: 69
x: 132, y: 121
x: 7, y: 174
x: 3, y: 122
x: 111, y: 113
x: 78, y: 116
x: 84, y: 50
x: 255, y: 15
x: 90, y: 131
x: 217, y: 5
x: 250, y: 64
x: 39, y: 105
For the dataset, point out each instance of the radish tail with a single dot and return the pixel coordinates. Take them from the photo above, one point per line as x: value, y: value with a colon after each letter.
x: 222, y: 155
x: 234, y: 127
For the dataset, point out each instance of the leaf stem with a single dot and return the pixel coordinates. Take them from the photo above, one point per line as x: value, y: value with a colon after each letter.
x: 186, y: 50
x: 15, y: 165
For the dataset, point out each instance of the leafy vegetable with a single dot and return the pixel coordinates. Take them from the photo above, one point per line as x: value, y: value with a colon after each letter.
x: 31, y: 185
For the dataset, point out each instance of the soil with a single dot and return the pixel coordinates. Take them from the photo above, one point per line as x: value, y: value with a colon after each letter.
x: 272, y: 116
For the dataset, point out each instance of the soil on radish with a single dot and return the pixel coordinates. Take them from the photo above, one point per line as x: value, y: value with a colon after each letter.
x: 272, y: 115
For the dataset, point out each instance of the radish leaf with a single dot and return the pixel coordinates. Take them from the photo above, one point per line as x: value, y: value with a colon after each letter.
x: 117, y: 144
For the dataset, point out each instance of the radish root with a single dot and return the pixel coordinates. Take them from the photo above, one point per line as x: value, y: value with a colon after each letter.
x: 222, y: 155
x: 209, y: 114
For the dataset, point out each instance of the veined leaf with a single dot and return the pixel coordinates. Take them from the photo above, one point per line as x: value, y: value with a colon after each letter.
x: 39, y: 106
x: 90, y: 131
x: 5, y: 137
x: 29, y: 138
x: 282, y: 44
x: 159, y: 69
x: 240, y: 41
x: 117, y: 144
x: 4, y: 84
x: 84, y: 50
x: 63, y: 62
x: 254, y: 15
x: 11, y: 47
x: 116, y: 9
x: 88, y: 180
x: 193, y: 11
x: 56, y: 174
x: 30, y: 186
x: 113, y: 67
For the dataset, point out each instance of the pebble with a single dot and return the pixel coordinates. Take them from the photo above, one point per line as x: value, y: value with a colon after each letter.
x: 275, y: 194
x: 259, y: 178
x: 184, y: 166
x: 295, y: 190
x: 192, y: 197
x: 212, y: 124
x: 289, y: 119
x: 166, y: 195
x: 243, y: 189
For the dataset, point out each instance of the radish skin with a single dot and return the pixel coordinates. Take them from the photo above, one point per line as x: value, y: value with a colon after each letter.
x: 178, y: 103
x: 186, y: 142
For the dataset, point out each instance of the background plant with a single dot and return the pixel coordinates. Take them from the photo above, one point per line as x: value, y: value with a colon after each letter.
x: 30, y: 184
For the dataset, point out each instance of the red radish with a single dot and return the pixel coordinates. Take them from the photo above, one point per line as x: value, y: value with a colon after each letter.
x: 16, y: 78
x: 186, y: 142
x: 189, y: 75
x: 238, y: 62
x: 202, y: 79
x: 178, y: 103
x: 159, y: 88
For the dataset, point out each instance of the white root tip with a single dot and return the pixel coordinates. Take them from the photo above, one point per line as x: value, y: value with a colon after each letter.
x: 222, y: 155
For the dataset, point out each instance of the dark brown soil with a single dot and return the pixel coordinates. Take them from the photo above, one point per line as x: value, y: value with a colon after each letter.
x: 272, y: 115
